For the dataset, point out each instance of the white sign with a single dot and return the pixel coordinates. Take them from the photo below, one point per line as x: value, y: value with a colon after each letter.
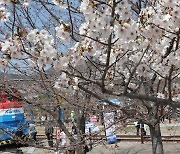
x: 90, y: 125
x: 110, y: 127
x: 11, y: 111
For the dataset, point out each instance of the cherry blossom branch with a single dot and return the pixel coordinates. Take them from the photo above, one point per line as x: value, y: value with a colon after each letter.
x: 119, y: 58
x: 14, y: 17
x: 29, y: 19
x: 169, y: 82
x: 118, y: 1
x: 109, y: 47
x: 157, y: 73
x: 56, y: 18
x: 82, y: 77
x: 107, y: 60
x: 163, y: 29
x: 169, y: 49
x: 177, y: 41
x: 175, y: 76
x: 153, y: 99
x: 96, y: 40
x: 134, y: 70
x: 72, y: 28
x: 92, y: 62
x: 136, y: 7
x: 133, y: 96
x: 81, y: 86
x: 101, y: 2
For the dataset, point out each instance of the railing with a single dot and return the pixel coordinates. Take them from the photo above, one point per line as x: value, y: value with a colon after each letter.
x: 127, y: 138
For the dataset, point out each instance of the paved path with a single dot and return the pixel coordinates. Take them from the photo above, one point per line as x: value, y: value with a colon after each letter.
x: 123, y: 147
x: 134, y: 148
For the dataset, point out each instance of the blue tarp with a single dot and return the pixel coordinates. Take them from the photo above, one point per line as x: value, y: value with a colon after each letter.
x: 116, y: 101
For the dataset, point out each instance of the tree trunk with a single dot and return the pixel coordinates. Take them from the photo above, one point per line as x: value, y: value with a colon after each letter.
x: 81, y: 119
x: 157, y: 146
x: 80, y: 149
x: 81, y: 128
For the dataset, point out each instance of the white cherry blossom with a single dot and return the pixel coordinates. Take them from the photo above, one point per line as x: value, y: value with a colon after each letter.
x: 62, y: 34
x: 60, y: 3
x: 153, y: 34
x: 3, y: 14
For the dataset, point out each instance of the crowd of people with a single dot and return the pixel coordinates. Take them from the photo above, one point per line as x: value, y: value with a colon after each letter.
x: 62, y: 141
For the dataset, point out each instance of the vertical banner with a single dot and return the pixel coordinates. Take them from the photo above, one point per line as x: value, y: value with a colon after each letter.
x: 110, y: 127
x: 61, y: 115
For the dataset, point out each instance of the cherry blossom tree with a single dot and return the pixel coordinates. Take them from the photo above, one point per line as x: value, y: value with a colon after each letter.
x: 132, y: 46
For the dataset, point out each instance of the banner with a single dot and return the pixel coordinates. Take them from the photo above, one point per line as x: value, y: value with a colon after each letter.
x: 11, y: 111
x: 11, y: 114
x: 110, y: 127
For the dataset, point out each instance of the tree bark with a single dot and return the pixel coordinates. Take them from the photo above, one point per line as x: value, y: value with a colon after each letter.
x: 81, y: 119
x: 80, y: 149
x: 157, y: 146
x: 81, y: 131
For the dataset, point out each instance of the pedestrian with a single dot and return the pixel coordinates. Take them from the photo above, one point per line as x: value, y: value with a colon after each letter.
x: 143, y: 131
x: 43, y: 120
x: 74, y: 130
x: 32, y: 131
x: 64, y: 142
x: 63, y: 139
x: 137, y: 125
x: 72, y: 117
x: 49, y: 133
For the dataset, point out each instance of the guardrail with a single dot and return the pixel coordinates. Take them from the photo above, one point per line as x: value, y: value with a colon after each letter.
x: 127, y: 138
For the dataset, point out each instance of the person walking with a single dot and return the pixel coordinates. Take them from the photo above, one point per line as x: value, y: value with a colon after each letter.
x: 137, y: 125
x: 49, y: 133
x: 143, y: 131
x: 74, y: 130
x: 62, y: 139
x: 140, y: 126
x: 72, y: 117
x: 32, y: 131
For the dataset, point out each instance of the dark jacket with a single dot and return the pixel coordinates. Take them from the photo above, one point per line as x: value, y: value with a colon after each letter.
x: 49, y: 129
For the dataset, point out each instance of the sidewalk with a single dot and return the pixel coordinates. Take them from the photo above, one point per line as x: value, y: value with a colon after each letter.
x: 134, y: 148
